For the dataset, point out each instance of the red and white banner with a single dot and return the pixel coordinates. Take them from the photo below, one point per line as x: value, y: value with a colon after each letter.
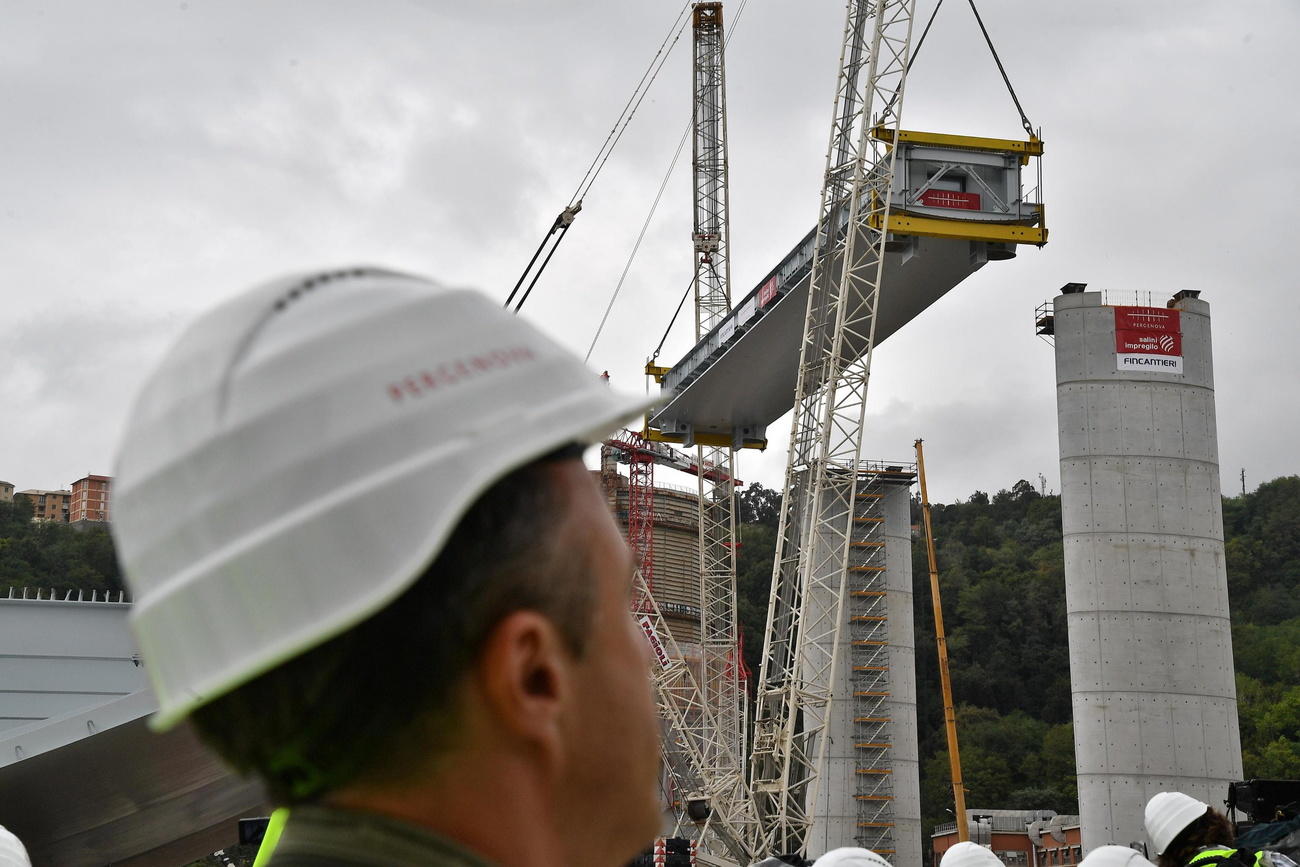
x: 1148, y: 339
x: 656, y: 645
x: 767, y: 293
x: 951, y: 199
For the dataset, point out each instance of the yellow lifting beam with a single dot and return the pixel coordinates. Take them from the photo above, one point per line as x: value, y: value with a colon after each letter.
x: 1026, y: 149
x: 969, y: 230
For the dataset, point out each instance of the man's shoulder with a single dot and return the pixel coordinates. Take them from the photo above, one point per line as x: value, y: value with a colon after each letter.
x: 329, y: 837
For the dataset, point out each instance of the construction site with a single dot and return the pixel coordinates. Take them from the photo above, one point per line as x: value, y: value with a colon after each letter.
x: 816, y: 748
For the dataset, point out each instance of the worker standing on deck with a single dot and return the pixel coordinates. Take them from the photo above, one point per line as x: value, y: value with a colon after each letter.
x: 1185, y: 832
x: 371, y: 568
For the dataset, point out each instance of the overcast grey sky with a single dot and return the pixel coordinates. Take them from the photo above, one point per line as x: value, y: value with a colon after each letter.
x: 157, y: 157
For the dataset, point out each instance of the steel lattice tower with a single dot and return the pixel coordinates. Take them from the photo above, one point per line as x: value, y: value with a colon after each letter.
x: 807, y: 609
x: 720, y: 678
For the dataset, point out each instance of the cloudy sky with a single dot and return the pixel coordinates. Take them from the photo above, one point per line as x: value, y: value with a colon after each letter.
x: 159, y: 156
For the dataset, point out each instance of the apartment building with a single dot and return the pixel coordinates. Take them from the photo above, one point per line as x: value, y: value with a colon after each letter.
x: 90, y: 499
x: 48, y: 505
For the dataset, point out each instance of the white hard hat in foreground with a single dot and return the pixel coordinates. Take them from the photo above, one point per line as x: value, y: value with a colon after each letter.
x: 1167, y: 814
x: 12, y: 851
x: 850, y: 856
x: 302, y: 453
x: 1114, y: 856
x: 968, y: 854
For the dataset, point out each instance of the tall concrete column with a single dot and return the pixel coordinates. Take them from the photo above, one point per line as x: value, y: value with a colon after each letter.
x: 839, y: 810
x: 1151, y: 668
x: 905, y: 756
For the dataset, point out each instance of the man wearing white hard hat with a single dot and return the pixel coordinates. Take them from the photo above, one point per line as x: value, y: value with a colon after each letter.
x: 371, y: 569
x: 968, y: 854
x: 850, y: 856
x: 12, y: 851
x: 1114, y: 856
x: 1185, y: 832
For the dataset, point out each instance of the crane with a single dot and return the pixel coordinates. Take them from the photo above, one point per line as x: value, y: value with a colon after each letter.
x: 941, y: 646
x: 716, y: 502
x: 697, y: 754
x: 712, y: 721
x: 816, y: 529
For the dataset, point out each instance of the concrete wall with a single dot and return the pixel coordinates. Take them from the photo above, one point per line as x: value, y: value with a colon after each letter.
x: 1146, y: 589
x: 905, y: 759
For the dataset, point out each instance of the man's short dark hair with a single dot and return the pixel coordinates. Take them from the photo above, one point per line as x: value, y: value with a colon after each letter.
x: 363, y: 704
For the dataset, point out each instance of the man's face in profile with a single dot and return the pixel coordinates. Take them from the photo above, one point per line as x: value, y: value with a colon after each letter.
x: 615, y: 733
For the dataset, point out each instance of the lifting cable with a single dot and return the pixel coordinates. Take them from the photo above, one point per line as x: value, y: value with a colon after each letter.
x: 671, y: 322
x: 740, y: 10
x: 570, y: 211
x: 889, y: 106
x: 1029, y: 127
x: 1024, y: 120
x: 680, y: 304
x: 639, y: 238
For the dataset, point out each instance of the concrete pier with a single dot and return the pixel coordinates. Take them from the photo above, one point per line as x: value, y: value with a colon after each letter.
x: 1151, y: 668
x: 871, y: 796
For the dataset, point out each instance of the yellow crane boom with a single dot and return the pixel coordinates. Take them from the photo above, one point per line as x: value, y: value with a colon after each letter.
x: 941, y: 641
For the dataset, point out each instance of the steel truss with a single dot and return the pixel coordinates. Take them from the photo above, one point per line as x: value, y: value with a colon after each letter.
x: 814, y: 544
x: 720, y: 680
x: 706, y: 775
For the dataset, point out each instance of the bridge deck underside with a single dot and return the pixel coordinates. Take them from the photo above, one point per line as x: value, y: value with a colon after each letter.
x: 752, y: 383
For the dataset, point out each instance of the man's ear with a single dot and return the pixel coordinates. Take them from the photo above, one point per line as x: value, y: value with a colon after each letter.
x: 525, y: 672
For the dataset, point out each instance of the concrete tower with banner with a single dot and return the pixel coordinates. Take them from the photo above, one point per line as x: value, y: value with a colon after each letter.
x: 1155, y: 705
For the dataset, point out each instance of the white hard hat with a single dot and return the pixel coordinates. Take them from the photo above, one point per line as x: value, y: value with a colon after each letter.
x: 1167, y: 814
x: 302, y: 453
x: 12, y: 851
x: 968, y: 854
x: 1114, y: 856
x: 850, y: 856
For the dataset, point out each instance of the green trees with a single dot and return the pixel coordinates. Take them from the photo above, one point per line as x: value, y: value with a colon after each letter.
x: 53, y: 556
x: 1002, y: 572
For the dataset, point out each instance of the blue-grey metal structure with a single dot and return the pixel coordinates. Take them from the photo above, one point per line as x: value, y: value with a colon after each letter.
x: 58, y: 656
x: 83, y: 781
x: 958, y: 202
x: 1151, y: 668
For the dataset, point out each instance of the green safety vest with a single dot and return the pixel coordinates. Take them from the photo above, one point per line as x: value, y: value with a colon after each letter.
x: 1217, y: 856
x: 272, y: 837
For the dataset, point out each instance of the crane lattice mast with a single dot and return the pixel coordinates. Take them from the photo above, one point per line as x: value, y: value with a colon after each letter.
x: 716, y: 511
x: 720, y: 681
x: 712, y: 798
x: 806, y: 606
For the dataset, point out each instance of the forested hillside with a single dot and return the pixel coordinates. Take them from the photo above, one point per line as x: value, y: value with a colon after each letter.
x: 52, y: 555
x: 1002, y: 572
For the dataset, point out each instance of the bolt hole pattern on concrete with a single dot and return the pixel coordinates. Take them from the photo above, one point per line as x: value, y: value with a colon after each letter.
x: 1146, y: 587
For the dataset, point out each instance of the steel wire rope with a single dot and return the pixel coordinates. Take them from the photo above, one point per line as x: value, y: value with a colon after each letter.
x: 1024, y: 120
x: 570, y: 211
x: 654, y: 206
x: 1029, y: 127
x: 661, y: 56
x: 671, y: 322
x: 740, y: 9
x: 893, y: 98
